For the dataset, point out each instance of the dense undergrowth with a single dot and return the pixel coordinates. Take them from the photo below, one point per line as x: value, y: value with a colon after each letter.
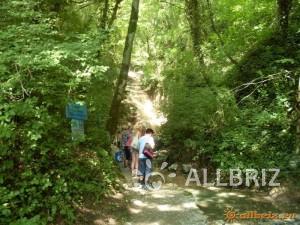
x: 48, y: 58
x: 246, y: 115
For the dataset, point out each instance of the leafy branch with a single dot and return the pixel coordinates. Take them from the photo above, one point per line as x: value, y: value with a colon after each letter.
x: 214, y: 28
x: 172, y: 4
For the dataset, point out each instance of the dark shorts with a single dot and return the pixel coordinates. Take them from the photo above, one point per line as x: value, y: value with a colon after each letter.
x: 127, y: 153
x: 144, y: 169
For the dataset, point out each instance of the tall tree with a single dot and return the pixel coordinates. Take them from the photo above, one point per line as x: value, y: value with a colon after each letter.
x: 284, y: 7
x: 214, y: 28
x: 114, y: 13
x: 194, y: 19
x: 107, y: 18
x: 104, y: 18
x: 123, y: 77
x: 195, y: 15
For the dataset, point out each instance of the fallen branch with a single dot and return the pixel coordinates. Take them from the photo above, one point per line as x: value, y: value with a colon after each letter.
x: 261, y: 80
x: 247, y: 96
x: 258, y: 82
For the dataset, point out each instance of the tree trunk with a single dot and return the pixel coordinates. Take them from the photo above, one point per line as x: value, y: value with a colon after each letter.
x: 284, y: 7
x: 194, y: 19
x: 193, y: 12
x: 214, y: 28
x: 104, y: 18
x: 119, y: 94
x: 114, y: 13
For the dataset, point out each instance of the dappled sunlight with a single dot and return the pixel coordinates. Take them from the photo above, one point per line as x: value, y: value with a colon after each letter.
x: 111, y: 221
x: 147, y: 113
x: 138, y: 203
x: 153, y: 223
x: 213, y: 188
x: 168, y: 207
x: 157, y: 207
x: 203, y: 204
x: 212, y: 201
x: 227, y: 194
x: 99, y: 222
x: 192, y: 191
x: 158, y: 195
x: 146, y: 110
x: 260, y: 198
x: 118, y: 196
x: 135, y: 211
x: 189, y: 205
x: 192, y: 205
x: 223, y: 195
x: 135, y: 75
x: 241, y: 196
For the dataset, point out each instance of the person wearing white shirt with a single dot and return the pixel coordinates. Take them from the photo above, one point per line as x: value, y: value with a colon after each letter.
x: 144, y: 167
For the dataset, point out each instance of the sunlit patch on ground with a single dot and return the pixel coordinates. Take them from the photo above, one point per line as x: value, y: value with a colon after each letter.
x: 147, y: 113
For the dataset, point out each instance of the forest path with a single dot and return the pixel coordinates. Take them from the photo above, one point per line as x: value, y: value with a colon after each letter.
x: 170, y: 204
x: 147, y: 114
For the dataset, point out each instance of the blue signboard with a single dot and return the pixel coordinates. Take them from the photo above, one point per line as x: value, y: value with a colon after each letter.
x: 76, y: 111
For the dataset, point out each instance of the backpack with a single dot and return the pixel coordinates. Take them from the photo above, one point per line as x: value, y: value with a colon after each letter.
x: 119, y: 156
x: 148, y: 151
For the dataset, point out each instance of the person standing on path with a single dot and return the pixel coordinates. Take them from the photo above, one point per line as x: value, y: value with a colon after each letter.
x: 144, y: 167
x: 126, y: 139
x: 135, y: 150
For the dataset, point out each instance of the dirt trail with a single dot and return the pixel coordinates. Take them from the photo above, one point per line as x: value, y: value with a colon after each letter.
x: 170, y: 204
x: 147, y: 113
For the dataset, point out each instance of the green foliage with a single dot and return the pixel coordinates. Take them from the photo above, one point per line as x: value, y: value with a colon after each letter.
x: 247, y: 116
x: 43, y: 175
x: 259, y: 137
